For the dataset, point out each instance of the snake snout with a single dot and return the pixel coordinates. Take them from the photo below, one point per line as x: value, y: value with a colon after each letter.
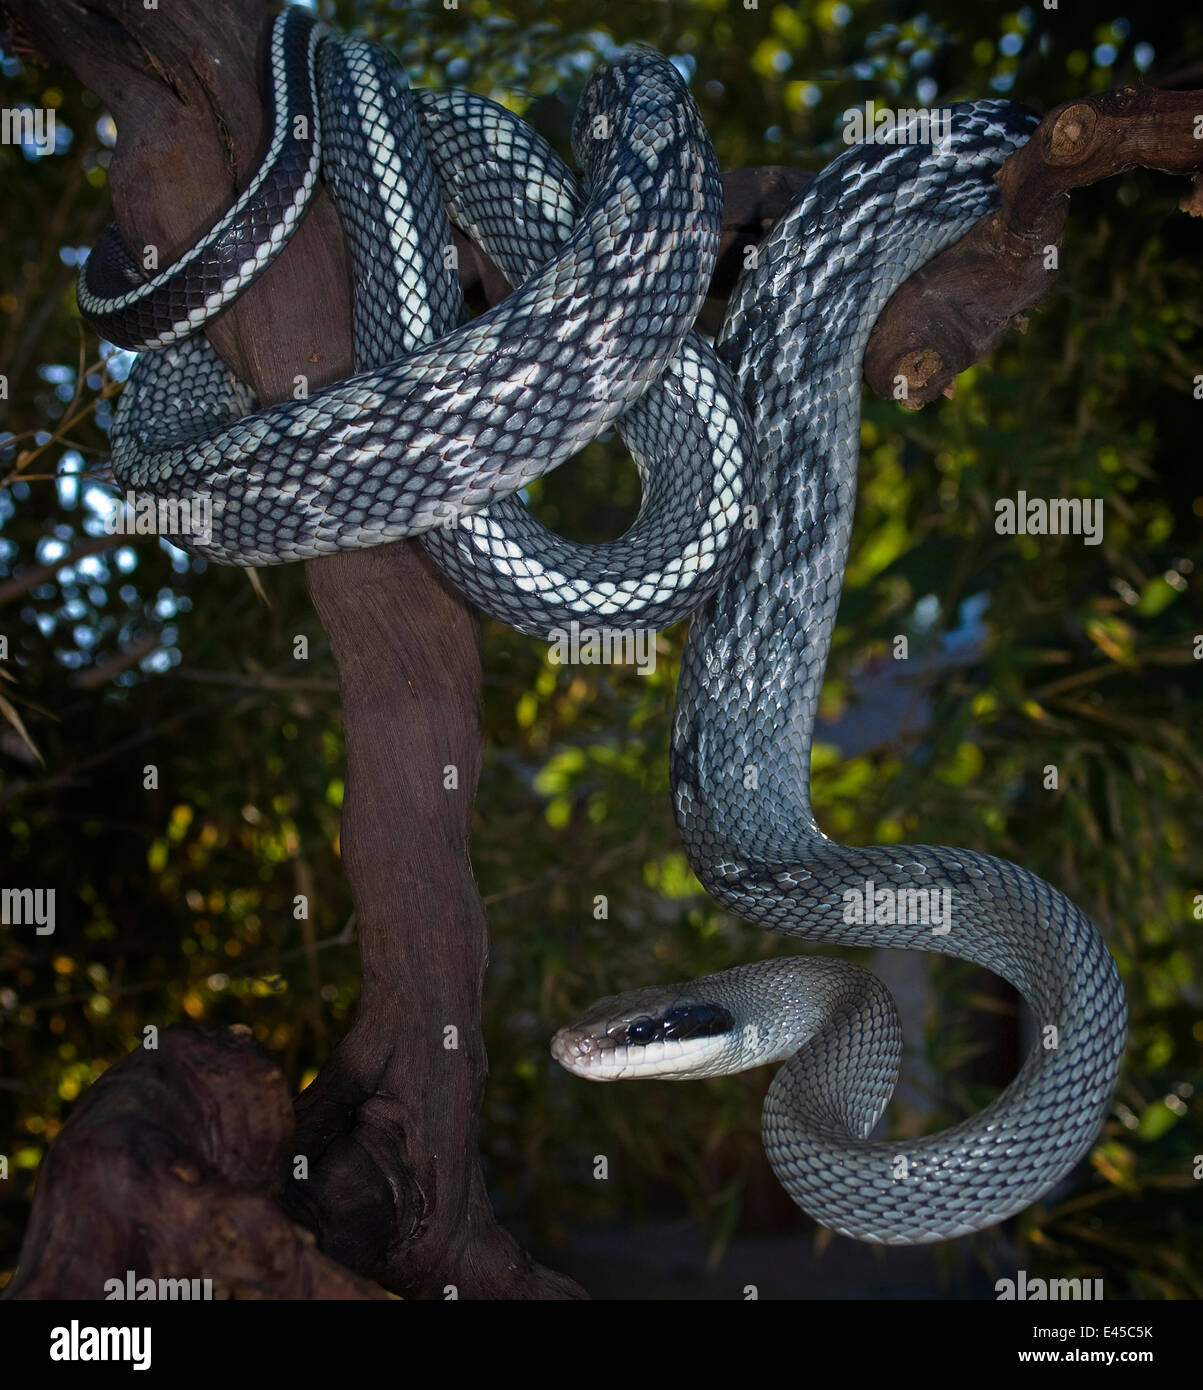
x: 575, y: 1051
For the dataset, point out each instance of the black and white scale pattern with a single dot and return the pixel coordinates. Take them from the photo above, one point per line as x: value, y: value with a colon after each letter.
x: 132, y: 311
x: 469, y: 418
x: 476, y: 410
x: 689, y: 434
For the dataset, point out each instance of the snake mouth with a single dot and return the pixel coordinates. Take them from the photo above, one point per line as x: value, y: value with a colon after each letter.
x: 677, y: 1041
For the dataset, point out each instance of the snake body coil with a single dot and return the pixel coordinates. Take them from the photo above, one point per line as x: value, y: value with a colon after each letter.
x: 446, y: 420
x: 439, y: 435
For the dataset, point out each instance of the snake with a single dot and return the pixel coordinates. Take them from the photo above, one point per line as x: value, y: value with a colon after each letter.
x: 747, y: 450
x: 446, y: 420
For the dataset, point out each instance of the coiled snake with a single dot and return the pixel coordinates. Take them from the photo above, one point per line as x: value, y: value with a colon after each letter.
x: 446, y: 420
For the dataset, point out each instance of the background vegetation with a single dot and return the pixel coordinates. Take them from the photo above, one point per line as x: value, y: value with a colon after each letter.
x: 176, y: 904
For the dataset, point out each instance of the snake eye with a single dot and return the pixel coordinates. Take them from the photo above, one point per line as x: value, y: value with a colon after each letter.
x: 642, y: 1030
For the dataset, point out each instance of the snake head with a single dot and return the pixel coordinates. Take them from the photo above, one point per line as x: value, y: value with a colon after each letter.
x: 671, y: 1034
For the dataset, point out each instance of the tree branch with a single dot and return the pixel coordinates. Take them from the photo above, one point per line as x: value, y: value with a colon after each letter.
x: 955, y: 311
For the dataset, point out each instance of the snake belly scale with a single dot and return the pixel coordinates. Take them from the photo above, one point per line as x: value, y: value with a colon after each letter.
x: 447, y: 419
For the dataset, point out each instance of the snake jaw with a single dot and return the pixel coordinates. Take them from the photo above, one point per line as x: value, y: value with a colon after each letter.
x: 650, y: 1033
x: 603, y: 1060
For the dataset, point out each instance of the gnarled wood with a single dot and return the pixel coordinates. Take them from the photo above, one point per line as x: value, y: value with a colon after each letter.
x: 171, y: 1167
x: 957, y: 309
